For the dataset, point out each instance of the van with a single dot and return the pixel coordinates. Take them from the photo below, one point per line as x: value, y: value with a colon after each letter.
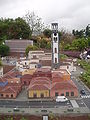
x: 61, y: 99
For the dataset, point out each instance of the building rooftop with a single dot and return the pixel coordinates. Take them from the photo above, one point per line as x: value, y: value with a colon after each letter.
x: 64, y: 85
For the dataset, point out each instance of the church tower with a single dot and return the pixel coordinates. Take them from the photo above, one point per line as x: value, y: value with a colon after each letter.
x: 55, y: 46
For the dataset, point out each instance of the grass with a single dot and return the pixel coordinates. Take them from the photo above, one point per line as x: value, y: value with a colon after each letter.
x: 85, y: 77
x: 62, y: 56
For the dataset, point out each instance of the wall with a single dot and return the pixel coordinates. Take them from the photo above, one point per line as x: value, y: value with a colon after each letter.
x: 38, y: 92
x: 52, y: 92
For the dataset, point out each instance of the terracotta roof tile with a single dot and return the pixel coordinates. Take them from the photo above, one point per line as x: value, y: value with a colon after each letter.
x: 63, y: 85
x: 39, y: 87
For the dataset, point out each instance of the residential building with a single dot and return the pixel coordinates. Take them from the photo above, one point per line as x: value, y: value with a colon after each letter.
x: 64, y: 88
x: 18, y: 45
x: 39, y: 87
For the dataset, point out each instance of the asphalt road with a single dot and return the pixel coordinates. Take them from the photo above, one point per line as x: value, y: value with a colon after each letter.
x: 33, y: 104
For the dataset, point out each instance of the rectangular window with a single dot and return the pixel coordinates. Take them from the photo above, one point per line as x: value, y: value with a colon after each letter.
x: 1, y: 95
x: 42, y: 95
x: 72, y: 93
x: 55, y: 60
x: 35, y: 95
x: 56, y: 94
x: 55, y: 50
x: 67, y: 93
x: 62, y: 94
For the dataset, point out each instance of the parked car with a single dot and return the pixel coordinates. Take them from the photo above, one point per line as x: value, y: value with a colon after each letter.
x: 61, y: 99
x: 82, y: 92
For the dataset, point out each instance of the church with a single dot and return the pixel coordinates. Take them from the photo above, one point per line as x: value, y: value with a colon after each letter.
x: 50, y: 83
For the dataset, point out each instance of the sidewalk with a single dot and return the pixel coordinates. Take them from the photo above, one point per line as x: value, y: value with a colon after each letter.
x: 40, y: 111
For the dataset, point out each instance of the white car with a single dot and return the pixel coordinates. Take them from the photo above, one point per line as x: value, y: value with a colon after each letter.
x: 61, y: 99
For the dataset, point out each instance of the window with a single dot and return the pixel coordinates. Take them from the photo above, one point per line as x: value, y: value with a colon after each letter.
x: 55, y: 60
x: 55, y: 39
x: 42, y: 95
x: 72, y: 93
x: 67, y: 93
x: 62, y: 94
x: 34, y: 56
x: 1, y: 95
x: 55, y: 50
x: 35, y: 95
x: 11, y: 95
x: 7, y: 96
x: 56, y: 94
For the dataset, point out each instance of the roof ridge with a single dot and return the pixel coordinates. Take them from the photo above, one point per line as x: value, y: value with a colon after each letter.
x: 8, y: 87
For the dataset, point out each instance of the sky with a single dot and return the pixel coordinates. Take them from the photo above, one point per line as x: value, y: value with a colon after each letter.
x: 69, y: 14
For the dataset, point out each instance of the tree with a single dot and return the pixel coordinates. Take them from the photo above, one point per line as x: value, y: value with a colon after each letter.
x: 19, y: 29
x: 34, y: 22
x: 66, y: 37
x: 48, y: 46
x: 4, y: 50
x: 14, y: 29
x: 47, y: 33
x: 43, y: 43
x: 88, y: 41
x: 0, y: 62
x: 79, y: 44
x: 30, y: 47
x: 88, y: 31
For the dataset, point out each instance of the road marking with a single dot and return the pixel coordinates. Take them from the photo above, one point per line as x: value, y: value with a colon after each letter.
x: 84, y: 103
x: 74, y: 104
x: 86, y: 96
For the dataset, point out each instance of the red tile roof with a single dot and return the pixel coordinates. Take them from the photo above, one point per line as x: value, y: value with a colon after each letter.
x: 8, y: 89
x: 38, y: 87
x: 66, y: 85
x: 27, y: 76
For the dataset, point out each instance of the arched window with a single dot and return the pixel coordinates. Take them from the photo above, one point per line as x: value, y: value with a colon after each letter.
x: 55, y: 39
x: 55, y: 50
x: 11, y: 95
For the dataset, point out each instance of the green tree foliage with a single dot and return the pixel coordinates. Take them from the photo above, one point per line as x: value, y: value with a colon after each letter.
x: 0, y: 62
x: 23, y: 118
x: 47, y: 33
x: 88, y: 31
x: 78, y: 44
x: 48, y: 46
x: 43, y: 43
x: 78, y: 34
x: 30, y: 48
x: 14, y: 29
x: 4, y: 50
x: 88, y: 41
x: 85, y: 77
x: 82, y: 33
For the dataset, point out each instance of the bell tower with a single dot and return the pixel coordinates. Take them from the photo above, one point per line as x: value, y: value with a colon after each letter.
x: 55, y: 46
